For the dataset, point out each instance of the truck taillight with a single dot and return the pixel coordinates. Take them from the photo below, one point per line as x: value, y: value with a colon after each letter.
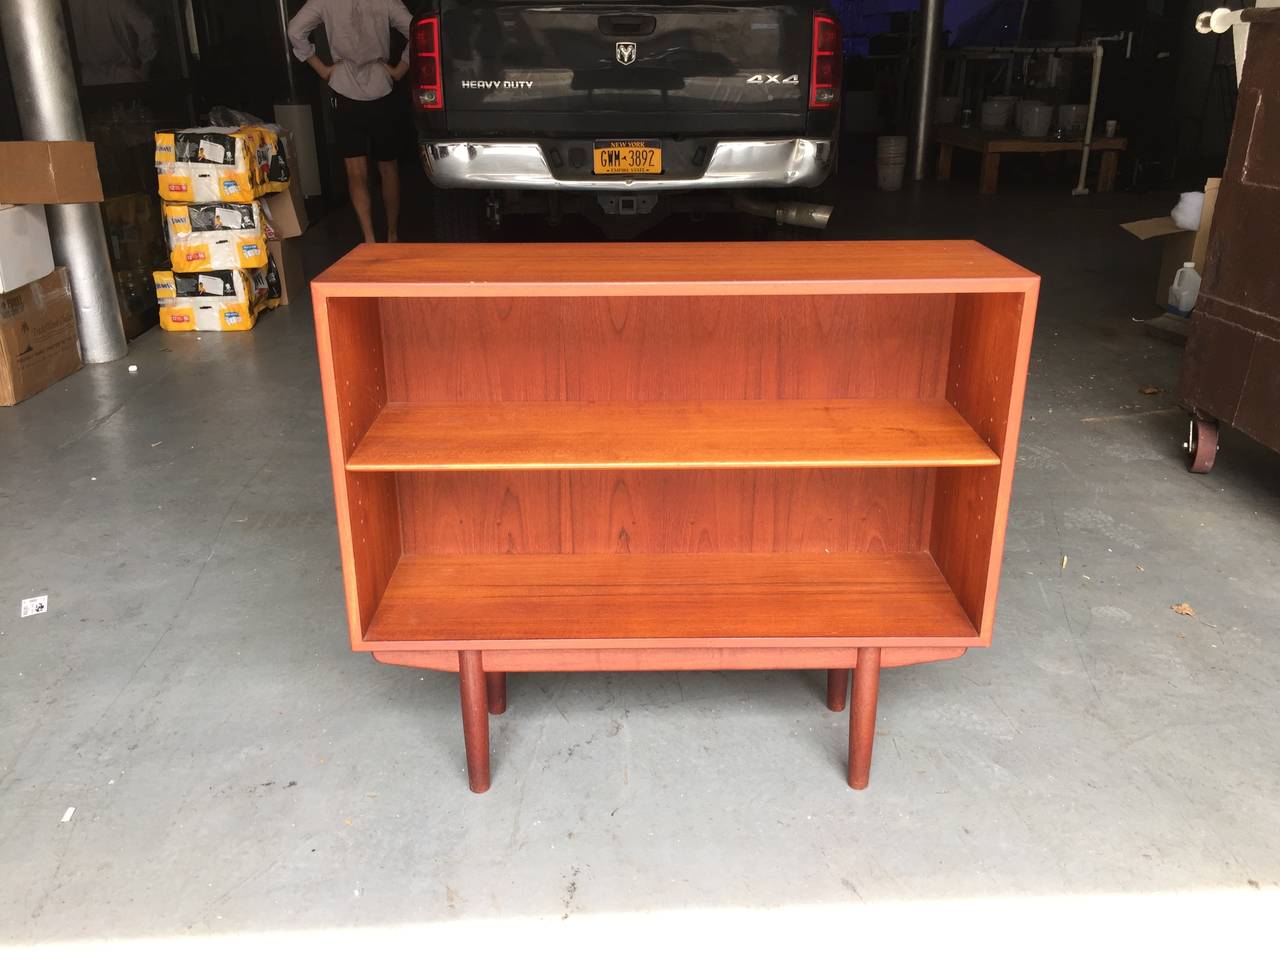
x: 428, y: 91
x: 824, y: 76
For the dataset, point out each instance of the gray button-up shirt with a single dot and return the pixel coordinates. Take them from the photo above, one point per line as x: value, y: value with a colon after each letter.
x: 359, y: 38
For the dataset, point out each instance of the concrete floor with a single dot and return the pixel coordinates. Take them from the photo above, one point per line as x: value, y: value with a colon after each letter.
x: 236, y: 770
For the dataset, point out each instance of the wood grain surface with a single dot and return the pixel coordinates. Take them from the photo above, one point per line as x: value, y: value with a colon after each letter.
x: 986, y: 141
x: 667, y: 511
x: 667, y: 435
x: 473, y: 692
x: 862, y: 716
x: 727, y: 347
x: 990, y: 351
x: 610, y: 600
x: 434, y: 657
x: 667, y: 269
x: 352, y: 380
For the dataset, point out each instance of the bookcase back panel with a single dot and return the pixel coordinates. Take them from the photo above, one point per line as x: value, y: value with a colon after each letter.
x: 667, y: 348
x: 695, y: 511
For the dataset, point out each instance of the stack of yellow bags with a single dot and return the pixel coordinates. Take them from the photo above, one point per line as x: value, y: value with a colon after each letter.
x: 221, y: 274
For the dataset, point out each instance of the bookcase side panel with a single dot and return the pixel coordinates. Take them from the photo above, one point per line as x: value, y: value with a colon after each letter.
x: 354, y: 386
x: 990, y: 346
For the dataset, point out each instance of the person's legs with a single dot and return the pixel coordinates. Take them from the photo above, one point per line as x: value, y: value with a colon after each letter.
x: 389, y: 174
x: 351, y: 125
x: 358, y: 186
x: 386, y: 134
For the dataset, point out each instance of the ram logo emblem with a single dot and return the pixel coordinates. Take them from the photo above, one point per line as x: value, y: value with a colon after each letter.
x: 625, y: 51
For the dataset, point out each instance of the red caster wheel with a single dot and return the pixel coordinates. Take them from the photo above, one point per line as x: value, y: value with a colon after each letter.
x: 1201, y: 445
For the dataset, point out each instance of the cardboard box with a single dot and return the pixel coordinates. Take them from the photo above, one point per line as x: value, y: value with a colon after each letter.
x: 287, y: 212
x: 287, y: 256
x: 1178, y: 245
x: 25, y: 254
x: 38, y: 340
x: 64, y: 171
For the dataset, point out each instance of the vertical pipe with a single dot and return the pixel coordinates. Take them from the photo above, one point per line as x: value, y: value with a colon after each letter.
x: 1022, y: 23
x: 1081, y: 190
x: 926, y: 84
x: 291, y: 82
x: 35, y: 42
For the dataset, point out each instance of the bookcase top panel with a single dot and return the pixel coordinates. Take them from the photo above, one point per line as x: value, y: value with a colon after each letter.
x: 671, y: 269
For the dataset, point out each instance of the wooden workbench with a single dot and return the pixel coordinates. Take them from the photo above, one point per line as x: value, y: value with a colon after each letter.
x: 645, y: 456
x: 991, y: 145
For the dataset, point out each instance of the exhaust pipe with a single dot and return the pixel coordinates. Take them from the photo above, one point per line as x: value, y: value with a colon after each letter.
x: 790, y: 214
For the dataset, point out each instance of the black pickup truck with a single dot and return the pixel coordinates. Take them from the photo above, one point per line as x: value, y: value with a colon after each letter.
x: 626, y: 112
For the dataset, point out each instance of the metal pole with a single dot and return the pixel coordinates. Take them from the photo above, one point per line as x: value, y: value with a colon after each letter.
x: 35, y: 42
x: 1081, y: 190
x: 291, y: 81
x: 926, y: 84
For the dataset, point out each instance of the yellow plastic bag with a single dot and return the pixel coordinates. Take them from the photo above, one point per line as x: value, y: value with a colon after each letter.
x: 221, y: 164
x: 216, y: 236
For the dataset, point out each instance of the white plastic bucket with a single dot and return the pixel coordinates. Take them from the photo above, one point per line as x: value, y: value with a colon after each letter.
x: 1072, y: 118
x: 889, y: 176
x: 1020, y: 109
x: 891, y: 148
x: 995, y: 114
x: 1035, y: 120
x: 891, y: 161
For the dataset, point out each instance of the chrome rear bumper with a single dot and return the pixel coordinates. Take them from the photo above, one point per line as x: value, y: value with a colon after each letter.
x: 523, y: 166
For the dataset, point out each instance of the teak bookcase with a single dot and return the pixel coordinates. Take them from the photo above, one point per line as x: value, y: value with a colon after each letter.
x: 672, y: 457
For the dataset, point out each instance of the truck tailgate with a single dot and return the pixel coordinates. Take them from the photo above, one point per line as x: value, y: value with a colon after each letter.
x: 648, y: 68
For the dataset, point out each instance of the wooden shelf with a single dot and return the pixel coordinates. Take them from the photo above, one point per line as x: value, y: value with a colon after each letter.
x: 1006, y: 141
x: 669, y: 269
x: 649, y: 456
x: 546, y: 601
x: 654, y: 435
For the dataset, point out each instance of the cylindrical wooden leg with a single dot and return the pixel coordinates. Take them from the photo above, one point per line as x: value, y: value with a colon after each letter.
x: 990, y: 173
x: 862, y: 717
x: 475, y: 718
x: 497, y: 687
x: 944, y: 162
x: 837, y: 689
x: 1107, y: 171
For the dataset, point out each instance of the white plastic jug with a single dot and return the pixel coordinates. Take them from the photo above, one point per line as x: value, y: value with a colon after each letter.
x: 1184, y: 289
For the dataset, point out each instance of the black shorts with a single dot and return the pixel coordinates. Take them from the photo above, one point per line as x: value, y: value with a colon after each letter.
x: 365, y: 127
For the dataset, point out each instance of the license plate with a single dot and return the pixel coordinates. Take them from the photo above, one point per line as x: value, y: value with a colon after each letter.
x: 628, y: 156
